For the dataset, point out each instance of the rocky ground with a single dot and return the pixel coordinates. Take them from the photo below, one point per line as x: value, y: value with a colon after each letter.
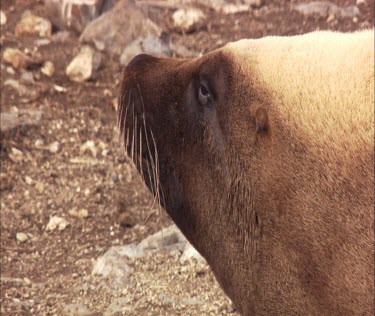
x: 73, y: 210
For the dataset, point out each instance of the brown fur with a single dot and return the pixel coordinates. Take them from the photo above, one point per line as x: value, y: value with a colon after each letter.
x: 285, y: 216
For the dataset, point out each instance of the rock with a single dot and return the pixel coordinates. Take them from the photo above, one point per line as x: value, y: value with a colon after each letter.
x: 325, y: 8
x: 16, y: 155
x: 39, y: 187
x: 88, y: 146
x: 120, y: 26
x: 191, y: 253
x: 187, y: 20
x: 48, y: 68
x: 77, y: 310
x: 28, y: 180
x: 3, y: 18
x: 234, y: 8
x: 118, y: 306
x: 54, y: 147
x: 82, y: 213
x: 33, y: 25
x: 167, y: 239
x: 151, y: 45
x: 30, y: 92
x: 76, y: 14
x: 22, y: 237
x: 26, y: 117
x: 112, y: 264
x: 56, y: 222
x: 84, y: 65
x: 10, y: 70
x: 16, y: 58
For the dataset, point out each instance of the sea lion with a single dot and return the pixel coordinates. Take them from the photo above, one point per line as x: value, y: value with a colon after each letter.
x: 262, y: 153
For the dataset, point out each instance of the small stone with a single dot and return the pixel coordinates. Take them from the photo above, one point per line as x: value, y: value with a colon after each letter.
x: 82, y: 213
x: 28, y: 180
x: 84, y: 65
x: 48, y: 69
x: 56, y: 222
x: 34, y: 25
x: 115, y: 178
x: 39, y: 143
x: 16, y: 58
x: 15, y: 155
x: 188, y: 19
x: 3, y: 18
x: 88, y: 146
x: 331, y: 18
x: 54, y: 147
x: 104, y: 152
x: 39, y: 187
x: 355, y: 20
x: 27, y: 281
x: 10, y: 71
x: 21, y: 237
x: 77, y: 310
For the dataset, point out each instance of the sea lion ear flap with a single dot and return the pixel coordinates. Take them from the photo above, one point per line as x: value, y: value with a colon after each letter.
x: 261, y: 120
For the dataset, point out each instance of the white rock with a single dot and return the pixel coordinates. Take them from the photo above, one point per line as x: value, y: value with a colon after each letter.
x: 21, y: 237
x: 3, y: 18
x: 56, y: 222
x: 326, y: 8
x: 34, y: 25
x: 84, y: 65
x: 188, y: 19
x: 48, y: 68
x: 54, y: 147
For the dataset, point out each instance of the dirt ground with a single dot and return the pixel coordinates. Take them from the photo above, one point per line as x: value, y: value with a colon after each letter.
x: 50, y: 270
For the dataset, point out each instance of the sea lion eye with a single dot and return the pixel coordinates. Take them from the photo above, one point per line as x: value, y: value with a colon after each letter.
x: 204, y: 94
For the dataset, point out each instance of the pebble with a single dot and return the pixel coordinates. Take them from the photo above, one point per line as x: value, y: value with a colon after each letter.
x: 16, y: 58
x: 48, y: 68
x: 88, y: 146
x: 56, y: 222
x: 188, y: 19
x: 82, y: 213
x: 15, y: 155
x: 33, y: 25
x: 28, y: 180
x: 3, y: 18
x: 21, y: 237
x: 10, y: 71
x: 54, y: 147
x: 84, y: 65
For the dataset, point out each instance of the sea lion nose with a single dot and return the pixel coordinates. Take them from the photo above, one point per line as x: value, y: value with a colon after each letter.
x: 138, y: 59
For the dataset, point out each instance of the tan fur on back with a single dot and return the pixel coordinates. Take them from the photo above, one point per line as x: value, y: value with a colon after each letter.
x: 316, y: 168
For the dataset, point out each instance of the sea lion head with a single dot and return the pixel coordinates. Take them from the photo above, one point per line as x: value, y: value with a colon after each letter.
x: 186, y: 125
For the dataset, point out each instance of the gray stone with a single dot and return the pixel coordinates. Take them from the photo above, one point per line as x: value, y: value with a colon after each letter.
x: 120, y: 26
x: 326, y: 8
x: 118, y: 306
x: 112, y: 264
x: 191, y: 253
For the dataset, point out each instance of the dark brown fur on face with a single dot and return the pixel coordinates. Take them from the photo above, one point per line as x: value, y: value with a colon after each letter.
x: 281, y: 208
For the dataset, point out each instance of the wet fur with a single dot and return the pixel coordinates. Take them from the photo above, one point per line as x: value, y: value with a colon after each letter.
x: 284, y: 216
